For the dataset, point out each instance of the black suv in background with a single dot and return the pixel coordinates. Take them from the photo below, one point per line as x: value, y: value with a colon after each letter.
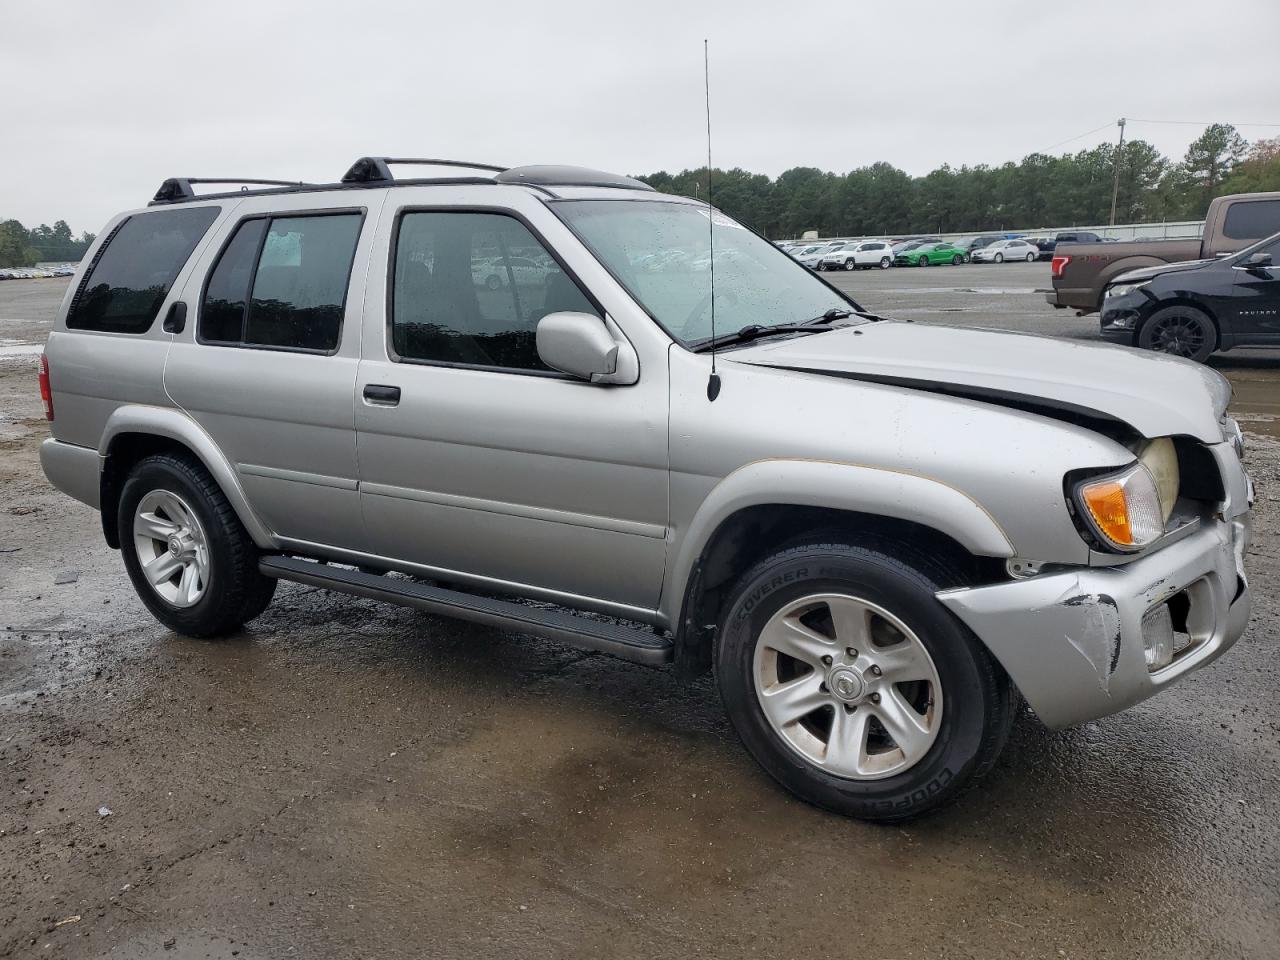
x: 1192, y: 309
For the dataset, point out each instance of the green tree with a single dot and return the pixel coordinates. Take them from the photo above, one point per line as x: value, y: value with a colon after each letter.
x: 1209, y: 161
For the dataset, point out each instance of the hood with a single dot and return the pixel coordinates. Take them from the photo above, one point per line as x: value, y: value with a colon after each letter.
x: 1156, y: 395
x: 1147, y: 273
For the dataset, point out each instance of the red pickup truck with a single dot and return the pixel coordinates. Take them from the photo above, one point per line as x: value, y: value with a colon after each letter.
x: 1081, y: 271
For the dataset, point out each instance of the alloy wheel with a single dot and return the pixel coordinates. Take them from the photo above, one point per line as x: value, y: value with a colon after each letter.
x: 848, y: 686
x: 1180, y: 336
x: 172, y: 548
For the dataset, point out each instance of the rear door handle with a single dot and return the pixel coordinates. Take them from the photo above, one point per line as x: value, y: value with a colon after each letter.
x: 381, y: 394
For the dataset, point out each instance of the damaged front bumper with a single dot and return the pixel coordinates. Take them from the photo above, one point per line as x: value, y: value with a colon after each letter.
x: 1072, y: 641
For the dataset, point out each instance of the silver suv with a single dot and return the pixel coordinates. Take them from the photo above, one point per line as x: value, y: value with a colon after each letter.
x: 498, y: 395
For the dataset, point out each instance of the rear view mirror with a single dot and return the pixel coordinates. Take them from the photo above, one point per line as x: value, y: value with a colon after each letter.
x: 578, y: 344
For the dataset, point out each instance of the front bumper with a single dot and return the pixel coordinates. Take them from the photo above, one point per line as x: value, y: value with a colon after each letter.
x: 1120, y: 316
x: 1072, y: 641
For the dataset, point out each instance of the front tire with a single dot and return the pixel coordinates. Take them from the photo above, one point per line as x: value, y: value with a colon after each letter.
x: 922, y: 262
x: 189, y: 557
x: 853, y: 687
x: 998, y: 258
x: 1182, y: 331
x: 851, y: 264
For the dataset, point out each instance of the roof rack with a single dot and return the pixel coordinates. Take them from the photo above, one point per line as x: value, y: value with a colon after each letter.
x: 369, y: 172
x: 179, y: 188
x: 378, y: 169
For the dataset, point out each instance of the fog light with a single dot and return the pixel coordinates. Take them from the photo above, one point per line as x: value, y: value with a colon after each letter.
x: 1157, y: 637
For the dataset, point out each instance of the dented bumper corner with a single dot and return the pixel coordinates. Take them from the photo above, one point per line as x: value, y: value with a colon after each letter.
x: 1072, y: 641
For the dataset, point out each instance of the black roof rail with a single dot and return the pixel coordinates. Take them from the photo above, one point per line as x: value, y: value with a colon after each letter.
x: 378, y: 169
x: 179, y: 188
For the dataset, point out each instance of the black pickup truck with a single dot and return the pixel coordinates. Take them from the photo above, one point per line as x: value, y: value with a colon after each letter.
x: 1081, y: 271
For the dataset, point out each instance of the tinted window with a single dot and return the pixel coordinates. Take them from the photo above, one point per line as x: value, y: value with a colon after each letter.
x: 470, y: 288
x: 1252, y: 220
x: 282, y: 282
x: 131, y: 276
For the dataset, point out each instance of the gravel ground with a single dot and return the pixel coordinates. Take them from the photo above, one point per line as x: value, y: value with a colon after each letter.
x: 350, y: 779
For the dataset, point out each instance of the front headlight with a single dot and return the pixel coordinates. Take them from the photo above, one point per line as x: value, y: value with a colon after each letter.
x: 1161, y: 458
x: 1124, y: 289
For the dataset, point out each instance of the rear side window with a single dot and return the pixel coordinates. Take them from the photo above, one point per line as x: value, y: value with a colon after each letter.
x: 1252, y: 219
x: 132, y: 273
x: 470, y: 288
x: 281, y: 283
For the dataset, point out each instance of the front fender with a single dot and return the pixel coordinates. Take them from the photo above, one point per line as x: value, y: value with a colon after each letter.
x: 838, y: 486
x: 176, y: 425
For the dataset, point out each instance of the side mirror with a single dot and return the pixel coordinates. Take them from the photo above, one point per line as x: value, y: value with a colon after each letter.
x: 1257, y: 261
x: 578, y: 344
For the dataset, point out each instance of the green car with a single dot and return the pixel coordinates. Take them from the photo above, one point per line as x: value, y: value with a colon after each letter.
x: 931, y: 253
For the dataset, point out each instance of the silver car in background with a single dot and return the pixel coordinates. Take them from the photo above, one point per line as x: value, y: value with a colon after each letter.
x: 522, y: 398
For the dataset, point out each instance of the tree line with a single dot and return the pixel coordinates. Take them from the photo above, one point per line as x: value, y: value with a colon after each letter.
x: 1040, y: 190
x: 20, y: 247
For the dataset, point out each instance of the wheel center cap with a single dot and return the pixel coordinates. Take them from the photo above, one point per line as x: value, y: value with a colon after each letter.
x: 175, y: 546
x: 846, y: 684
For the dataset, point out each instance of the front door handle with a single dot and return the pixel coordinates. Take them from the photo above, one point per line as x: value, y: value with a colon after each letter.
x: 381, y: 394
x: 176, y: 319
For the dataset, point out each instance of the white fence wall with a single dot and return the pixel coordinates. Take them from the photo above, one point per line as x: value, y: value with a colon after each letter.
x: 1168, y: 230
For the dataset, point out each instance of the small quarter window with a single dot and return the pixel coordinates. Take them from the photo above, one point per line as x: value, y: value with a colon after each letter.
x: 133, y: 272
x: 469, y: 288
x: 1252, y: 219
x: 282, y: 283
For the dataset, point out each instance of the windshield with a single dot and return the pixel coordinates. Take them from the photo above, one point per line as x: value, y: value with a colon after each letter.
x: 755, y: 282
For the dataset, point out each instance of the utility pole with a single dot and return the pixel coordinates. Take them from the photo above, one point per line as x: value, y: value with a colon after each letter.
x: 1115, y: 180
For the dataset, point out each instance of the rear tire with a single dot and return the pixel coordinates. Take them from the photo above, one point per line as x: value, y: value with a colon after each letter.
x: 859, y: 609
x: 1031, y: 258
x: 885, y: 263
x: 171, y: 499
x: 1181, y: 331
x: 957, y: 260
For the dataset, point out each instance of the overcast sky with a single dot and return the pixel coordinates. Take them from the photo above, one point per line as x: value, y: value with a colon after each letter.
x: 103, y: 100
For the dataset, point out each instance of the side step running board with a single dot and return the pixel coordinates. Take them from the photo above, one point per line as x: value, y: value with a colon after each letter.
x: 629, y: 643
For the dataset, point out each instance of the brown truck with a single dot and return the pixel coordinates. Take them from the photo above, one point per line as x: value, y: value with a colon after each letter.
x: 1081, y: 271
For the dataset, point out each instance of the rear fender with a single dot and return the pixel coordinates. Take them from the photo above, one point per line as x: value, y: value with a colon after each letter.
x: 177, y: 426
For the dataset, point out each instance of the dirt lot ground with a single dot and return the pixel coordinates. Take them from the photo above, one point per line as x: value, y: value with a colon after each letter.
x: 348, y: 779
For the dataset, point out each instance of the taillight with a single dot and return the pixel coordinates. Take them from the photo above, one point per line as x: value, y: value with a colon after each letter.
x: 46, y: 392
x: 1060, y: 262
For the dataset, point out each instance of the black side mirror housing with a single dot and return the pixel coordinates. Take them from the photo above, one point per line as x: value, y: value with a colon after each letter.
x: 1257, y: 261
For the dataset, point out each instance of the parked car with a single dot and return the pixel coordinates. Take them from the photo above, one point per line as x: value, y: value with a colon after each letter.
x: 931, y: 253
x: 906, y: 245
x: 799, y: 253
x: 865, y: 255
x: 1192, y: 309
x: 983, y: 240
x: 1048, y: 245
x: 1081, y: 275
x: 1003, y: 250
x: 313, y: 384
x: 812, y: 257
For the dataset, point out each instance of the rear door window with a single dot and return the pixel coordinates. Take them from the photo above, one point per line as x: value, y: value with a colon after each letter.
x: 1252, y: 219
x: 134, y: 270
x: 281, y: 283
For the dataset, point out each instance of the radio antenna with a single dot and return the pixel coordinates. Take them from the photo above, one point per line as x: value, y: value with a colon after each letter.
x: 713, y: 383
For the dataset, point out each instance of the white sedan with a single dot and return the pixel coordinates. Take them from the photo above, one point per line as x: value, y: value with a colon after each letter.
x: 1003, y: 250
x: 867, y: 253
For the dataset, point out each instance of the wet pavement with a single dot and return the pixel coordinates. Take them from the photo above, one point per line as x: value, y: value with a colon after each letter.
x: 351, y: 779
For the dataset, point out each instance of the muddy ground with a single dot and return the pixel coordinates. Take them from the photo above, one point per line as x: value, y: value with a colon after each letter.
x: 348, y: 779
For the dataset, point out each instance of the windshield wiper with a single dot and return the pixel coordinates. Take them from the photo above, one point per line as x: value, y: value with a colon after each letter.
x: 754, y: 331
x: 835, y: 313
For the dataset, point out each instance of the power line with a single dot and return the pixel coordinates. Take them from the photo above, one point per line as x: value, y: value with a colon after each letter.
x: 1201, y: 123
x: 1109, y: 123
